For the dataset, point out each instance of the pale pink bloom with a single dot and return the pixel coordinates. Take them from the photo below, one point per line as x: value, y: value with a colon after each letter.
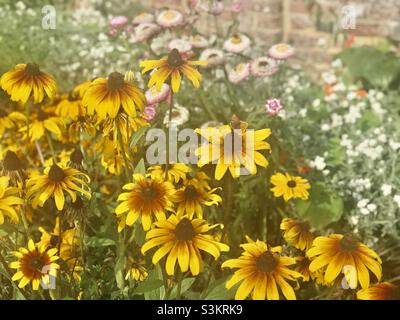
x: 153, y: 96
x: 237, y: 43
x: 213, y: 7
x: 281, y: 51
x: 199, y: 42
x: 236, y: 7
x: 149, y: 113
x: 263, y: 67
x: 273, y: 106
x: 170, y: 18
x: 143, y: 17
x: 118, y: 22
x: 180, y: 44
x: 145, y: 31
x: 240, y: 73
x: 212, y: 56
x: 113, y: 32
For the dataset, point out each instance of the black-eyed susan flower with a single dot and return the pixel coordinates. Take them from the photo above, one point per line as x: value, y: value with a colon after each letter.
x: 35, y: 265
x: 27, y: 79
x: 262, y: 270
x: 233, y: 147
x: 337, y: 252
x: 176, y: 171
x: 71, y: 106
x: 303, y: 267
x: 380, y: 291
x: 289, y: 186
x: 10, y: 120
x: 181, y: 240
x: 54, y: 182
x: 146, y: 197
x: 136, y: 272
x: 191, y: 197
x: 107, y: 96
x: 172, y: 66
x: 297, y: 233
x: 9, y: 201
x: 12, y: 167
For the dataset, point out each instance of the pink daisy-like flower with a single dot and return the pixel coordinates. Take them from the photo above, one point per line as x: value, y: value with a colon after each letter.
x: 118, y: 22
x: 273, y: 106
x: 199, y: 42
x: 236, y: 7
x: 170, y: 18
x: 153, y: 96
x: 281, y: 51
x: 263, y: 67
x: 237, y: 43
x: 240, y: 73
x: 142, y: 18
x: 149, y: 113
x: 180, y: 44
x: 145, y: 31
x: 213, y: 7
x: 213, y: 57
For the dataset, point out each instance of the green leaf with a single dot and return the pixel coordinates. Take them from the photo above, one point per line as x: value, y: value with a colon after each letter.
x: 322, y: 208
x: 98, y: 242
x: 149, y: 285
x: 220, y: 292
x: 140, y: 167
x: 186, y: 284
x: 158, y: 293
x: 138, y: 135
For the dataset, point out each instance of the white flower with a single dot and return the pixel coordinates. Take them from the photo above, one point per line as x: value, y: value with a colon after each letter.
x: 179, y: 116
x: 281, y: 51
x: 337, y: 64
x: 396, y: 199
x: 240, y: 73
x: 362, y: 203
x: 386, y: 189
x: 318, y: 163
x: 316, y: 103
x: 371, y: 207
x: 394, y: 145
x: 237, y: 43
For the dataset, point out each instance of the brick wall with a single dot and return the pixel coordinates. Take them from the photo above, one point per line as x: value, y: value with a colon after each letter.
x: 314, y: 27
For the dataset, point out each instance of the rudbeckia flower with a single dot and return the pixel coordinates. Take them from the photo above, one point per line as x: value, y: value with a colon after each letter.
x: 9, y: 201
x: 176, y: 171
x: 380, y: 291
x: 136, y: 272
x: 289, y: 186
x: 181, y: 239
x: 54, y: 182
x: 262, y: 270
x: 106, y: 96
x: 338, y: 251
x: 9, y: 120
x: 27, y: 79
x: 297, y: 233
x: 35, y: 264
x: 172, y: 66
x: 70, y: 106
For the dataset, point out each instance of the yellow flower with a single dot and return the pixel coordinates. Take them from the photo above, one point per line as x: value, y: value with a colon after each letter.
x: 9, y: 120
x: 35, y: 264
x: 25, y: 79
x: 172, y: 66
x: 9, y: 201
x: 176, y: 171
x: 297, y: 233
x: 181, y: 239
x: 146, y: 197
x: 289, y: 186
x: 54, y: 182
x: 136, y: 272
x: 107, y: 96
x: 337, y: 252
x: 262, y: 269
x: 71, y: 107
x: 303, y: 267
x: 380, y: 291
x: 232, y: 147
x: 191, y: 197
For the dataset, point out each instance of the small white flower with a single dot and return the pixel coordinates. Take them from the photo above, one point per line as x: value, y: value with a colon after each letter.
x: 364, y: 211
x: 318, y: 163
x: 386, y: 189
x: 396, y: 199
x: 362, y: 203
x: 371, y: 207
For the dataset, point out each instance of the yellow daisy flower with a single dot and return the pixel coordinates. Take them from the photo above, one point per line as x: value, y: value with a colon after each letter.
x: 136, y: 272
x: 181, y: 239
x: 71, y: 106
x: 10, y: 120
x: 289, y: 186
x: 337, y: 252
x: 380, y: 291
x: 35, y: 264
x: 54, y: 182
x: 145, y: 197
x: 106, y: 96
x: 297, y: 233
x: 172, y: 66
x: 176, y: 171
x: 262, y: 270
x: 26, y: 79
x: 9, y: 201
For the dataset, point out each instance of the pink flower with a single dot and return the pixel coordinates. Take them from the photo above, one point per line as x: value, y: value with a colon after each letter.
x: 149, y: 113
x: 118, y: 22
x: 113, y: 33
x: 273, y: 106
x: 236, y: 7
x: 153, y: 96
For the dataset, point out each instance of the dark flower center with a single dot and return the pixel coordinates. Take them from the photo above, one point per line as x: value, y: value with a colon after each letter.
x: 3, y: 113
x: 56, y: 174
x: 291, y: 184
x: 212, y: 56
x: 348, y: 243
x: 54, y: 240
x: 149, y: 193
x: 11, y: 161
x: 191, y: 192
x: 72, y: 96
x: 266, y: 262
x: 42, y: 115
x: 174, y: 58
x: 32, y: 69
x: 263, y: 63
x: 36, y: 263
x: 184, y: 230
x: 115, y: 81
x: 76, y: 156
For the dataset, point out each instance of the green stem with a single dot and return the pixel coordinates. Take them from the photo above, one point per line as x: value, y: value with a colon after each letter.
x: 171, y: 103
x: 179, y: 288
x: 50, y: 142
x: 228, y: 201
x: 8, y: 270
x: 165, y: 280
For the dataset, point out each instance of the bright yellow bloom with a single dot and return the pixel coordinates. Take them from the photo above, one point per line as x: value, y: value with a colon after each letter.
x: 9, y: 201
x: 176, y: 171
x: 70, y: 106
x: 54, y: 182
x: 289, y: 186
x: 172, y: 66
x: 380, y: 291
x: 145, y: 197
x: 9, y: 120
x: 107, y: 96
x: 181, y: 239
x: 136, y: 272
x: 25, y: 79
x: 337, y: 252
x: 232, y: 148
x: 297, y: 233
x: 35, y: 264
x: 303, y: 267
x: 262, y: 269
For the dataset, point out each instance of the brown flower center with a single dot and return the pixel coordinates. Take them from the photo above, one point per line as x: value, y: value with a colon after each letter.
x: 191, y: 192
x: 263, y: 63
x: 184, y: 230
x: 348, y: 243
x: 42, y: 115
x: 115, y: 81
x: 32, y: 69
x: 149, y: 193
x: 36, y: 263
x: 291, y: 184
x: 174, y: 58
x: 266, y: 262
x: 54, y: 240
x: 76, y: 156
x: 72, y: 96
x: 56, y: 174
x: 3, y: 113
x: 11, y: 161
